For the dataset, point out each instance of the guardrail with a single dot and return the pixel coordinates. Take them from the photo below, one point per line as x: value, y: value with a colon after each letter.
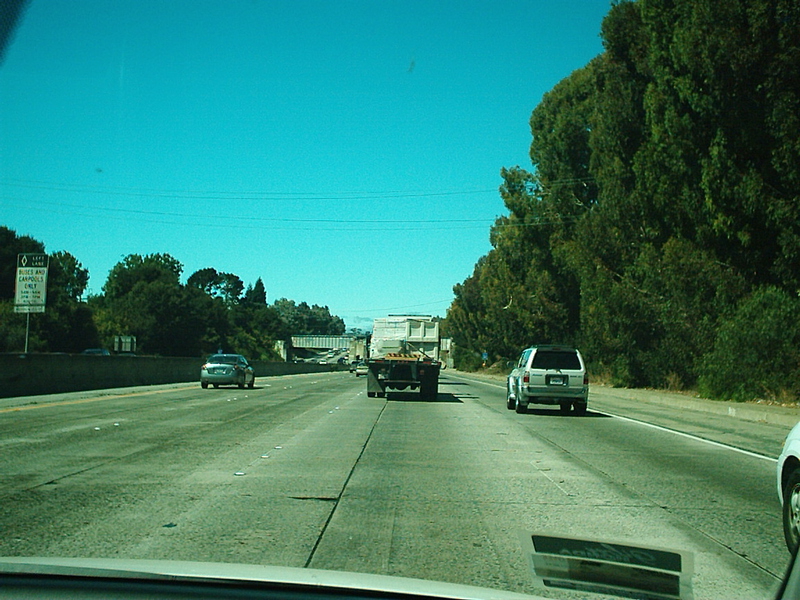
x: 35, y: 374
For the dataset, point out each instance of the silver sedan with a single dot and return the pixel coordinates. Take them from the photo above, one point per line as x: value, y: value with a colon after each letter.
x: 227, y: 369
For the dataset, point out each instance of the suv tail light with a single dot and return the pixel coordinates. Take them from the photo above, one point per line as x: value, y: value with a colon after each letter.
x: 526, y: 378
x: 585, y: 379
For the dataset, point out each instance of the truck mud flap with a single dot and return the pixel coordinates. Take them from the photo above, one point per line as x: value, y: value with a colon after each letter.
x: 374, y: 386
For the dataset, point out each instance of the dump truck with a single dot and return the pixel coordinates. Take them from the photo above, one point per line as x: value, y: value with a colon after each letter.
x: 404, y: 355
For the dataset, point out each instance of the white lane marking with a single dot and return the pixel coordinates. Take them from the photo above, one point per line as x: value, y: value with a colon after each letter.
x: 690, y: 436
x: 659, y: 427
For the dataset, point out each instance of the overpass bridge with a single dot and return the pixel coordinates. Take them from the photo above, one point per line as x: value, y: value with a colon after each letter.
x: 321, y: 342
x: 310, y: 346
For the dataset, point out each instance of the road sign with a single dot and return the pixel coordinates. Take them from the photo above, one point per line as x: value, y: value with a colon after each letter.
x: 31, y: 291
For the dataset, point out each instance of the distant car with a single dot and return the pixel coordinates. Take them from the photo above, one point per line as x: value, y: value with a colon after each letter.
x: 97, y: 352
x: 554, y: 375
x: 788, y: 477
x: 361, y: 369
x: 227, y: 369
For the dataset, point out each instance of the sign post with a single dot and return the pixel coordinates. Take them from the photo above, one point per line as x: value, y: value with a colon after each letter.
x: 31, y: 288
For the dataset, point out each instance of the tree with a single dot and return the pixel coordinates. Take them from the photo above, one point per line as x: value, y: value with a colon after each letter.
x: 256, y: 329
x: 302, y: 319
x: 144, y: 297
x: 465, y: 323
x: 256, y: 294
x: 67, y: 274
x: 664, y: 188
x: 135, y: 269
x: 221, y: 285
x: 206, y: 279
x: 756, y: 350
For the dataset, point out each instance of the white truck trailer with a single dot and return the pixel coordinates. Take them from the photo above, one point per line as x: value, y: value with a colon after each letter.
x: 404, y: 354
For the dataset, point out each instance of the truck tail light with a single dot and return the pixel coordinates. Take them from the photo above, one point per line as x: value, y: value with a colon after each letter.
x: 585, y: 379
x: 526, y: 378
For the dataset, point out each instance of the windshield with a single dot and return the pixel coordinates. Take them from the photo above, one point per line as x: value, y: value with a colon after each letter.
x: 373, y: 208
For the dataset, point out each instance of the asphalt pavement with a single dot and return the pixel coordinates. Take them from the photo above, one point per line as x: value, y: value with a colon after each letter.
x: 308, y: 471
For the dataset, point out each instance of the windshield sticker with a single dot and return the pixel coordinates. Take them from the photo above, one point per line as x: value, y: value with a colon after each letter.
x: 611, y: 568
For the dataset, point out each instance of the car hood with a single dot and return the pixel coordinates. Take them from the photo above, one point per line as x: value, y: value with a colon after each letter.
x: 175, y: 573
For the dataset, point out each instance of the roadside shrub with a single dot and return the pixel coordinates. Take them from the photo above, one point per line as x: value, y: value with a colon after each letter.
x: 465, y: 359
x: 756, y: 353
x: 621, y: 372
x: 499, y: 367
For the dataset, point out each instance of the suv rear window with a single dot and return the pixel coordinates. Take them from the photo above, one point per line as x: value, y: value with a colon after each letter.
x: 556, y: 359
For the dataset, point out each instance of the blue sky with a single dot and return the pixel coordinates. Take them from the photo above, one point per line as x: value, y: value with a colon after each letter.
x: 346, y: 152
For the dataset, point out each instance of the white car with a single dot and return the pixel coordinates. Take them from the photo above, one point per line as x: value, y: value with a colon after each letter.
x: 361, y: 369
x: 788, y: 478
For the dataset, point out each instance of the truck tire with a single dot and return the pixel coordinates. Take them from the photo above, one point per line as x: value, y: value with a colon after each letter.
x: 580, y: 408
x: 510, y: 400
x: 564, y: 407
x: 520, y: 408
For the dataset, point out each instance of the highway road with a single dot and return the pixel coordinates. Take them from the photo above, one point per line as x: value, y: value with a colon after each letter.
x: 307, y: 471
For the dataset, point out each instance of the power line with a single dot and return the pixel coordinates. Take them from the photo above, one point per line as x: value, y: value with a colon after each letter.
x: 240, y: 222
x: 253, y: 222
x: 231, y: 195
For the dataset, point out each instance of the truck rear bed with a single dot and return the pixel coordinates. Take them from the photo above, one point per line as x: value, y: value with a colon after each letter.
x: 402, y: 372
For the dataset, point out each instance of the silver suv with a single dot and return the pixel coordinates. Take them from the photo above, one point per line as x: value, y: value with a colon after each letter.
x: 553, y: 375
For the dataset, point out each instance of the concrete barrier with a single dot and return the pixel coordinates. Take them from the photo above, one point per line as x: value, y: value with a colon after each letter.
x: 36, y: 374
